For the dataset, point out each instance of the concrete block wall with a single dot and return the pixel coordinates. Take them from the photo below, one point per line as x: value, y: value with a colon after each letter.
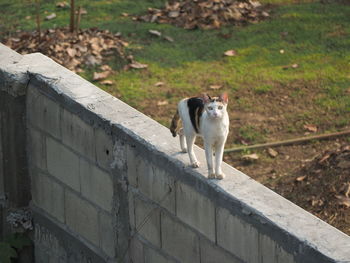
x: 68, y: 185
x: 109, y: 184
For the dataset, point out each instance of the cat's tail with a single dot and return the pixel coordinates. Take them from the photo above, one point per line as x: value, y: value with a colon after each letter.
x: 174, y: 123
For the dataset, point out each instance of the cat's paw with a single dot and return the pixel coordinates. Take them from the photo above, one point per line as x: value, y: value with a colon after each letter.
x: 195, y: 164
x: 184, y: 150
x: 211, y: 176
x: 220, y: 176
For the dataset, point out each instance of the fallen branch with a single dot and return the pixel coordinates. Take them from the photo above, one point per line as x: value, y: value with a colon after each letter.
x: 72, y: 16
x: 37, y: 15
x: 289, y: 142
x: 77, y: 23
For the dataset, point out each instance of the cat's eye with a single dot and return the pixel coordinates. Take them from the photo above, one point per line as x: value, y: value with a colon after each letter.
x: 210, y: 108
x: 220, y: 107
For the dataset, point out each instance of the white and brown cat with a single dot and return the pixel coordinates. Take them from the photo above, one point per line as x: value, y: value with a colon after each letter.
x: 206, y: 117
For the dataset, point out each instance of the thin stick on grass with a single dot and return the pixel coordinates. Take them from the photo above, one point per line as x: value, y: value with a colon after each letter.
x: 77, y: 24
x: 37, y: 11
x: 289, y: 142
x: 72, y: 16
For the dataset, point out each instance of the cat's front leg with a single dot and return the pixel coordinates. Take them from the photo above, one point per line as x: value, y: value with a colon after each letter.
x: 209, y: 156
x: 219, y: 152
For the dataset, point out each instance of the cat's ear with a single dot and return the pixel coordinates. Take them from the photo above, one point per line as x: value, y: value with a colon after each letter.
x: 224, y: 97
x: 206, y: 98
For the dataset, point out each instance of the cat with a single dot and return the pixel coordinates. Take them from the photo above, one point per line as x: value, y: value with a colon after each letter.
x: 206, y: 117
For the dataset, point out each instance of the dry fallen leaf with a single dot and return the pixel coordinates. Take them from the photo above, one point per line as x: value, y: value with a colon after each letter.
x: 272, y: 152
x: 92, y: 60
x: 310, y: 127
x: 63, y: 4
x: 230, y: 53
x: 106, y: 68
x: 101, y: 75
x: 250, y: 157
x: 159, y: 84
x: 83, y: 11
x: 155, y: 33
x: 138, y: 65
x: 107, y: 82
x: 343, y: 200
x: 347, y: 190
x: 325, y: 157
x: 71, y: 52
x: 49, y: 17
x: 215, y: 87
x: 162, y: 103
x: 170, y: 39
x: 300, y: 178
x: 174, y: 14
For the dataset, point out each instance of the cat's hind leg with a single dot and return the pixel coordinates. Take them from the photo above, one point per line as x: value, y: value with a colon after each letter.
x: 182, y: 141
x: 190, y: 138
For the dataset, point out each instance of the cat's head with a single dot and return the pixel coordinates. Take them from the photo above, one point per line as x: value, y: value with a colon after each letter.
x: 215, y: 106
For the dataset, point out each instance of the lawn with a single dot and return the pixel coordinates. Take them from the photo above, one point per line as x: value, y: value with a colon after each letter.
x: 291, y: 71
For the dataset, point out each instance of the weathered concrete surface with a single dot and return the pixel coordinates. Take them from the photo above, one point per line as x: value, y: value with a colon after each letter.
x: 13, y: 79
x: 234, y: 219
x: 14, y: 178
x: 14, y: 158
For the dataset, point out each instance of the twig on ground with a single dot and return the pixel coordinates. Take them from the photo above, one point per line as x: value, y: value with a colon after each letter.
x: 289, y: 142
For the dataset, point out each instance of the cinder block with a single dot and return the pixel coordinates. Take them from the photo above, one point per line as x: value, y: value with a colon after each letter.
x: 78, y: 135
x: 43, y: 112
x: 267, y: 248
x: 136, y: 251
x: 283, y: 256
x: 236, y: 236
x: 147, y: 219
x: 152, y: 256
x: 48, y: 195
x: 37, y: 148
x: 107, y: 234
x: 81, y: 217
x: 196, y: 210
x: 104, y: 149
x: 63, y: 164
x: 119, y: 155
x: 179, y: 241
x: 157, y: 185
x: 210, y: 253
x: 41, y: 254
x: 271, y: 252
x: 132, y: 162
x: 96, y: 185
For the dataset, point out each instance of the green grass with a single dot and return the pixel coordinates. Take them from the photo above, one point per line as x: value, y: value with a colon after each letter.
x: 251, y: 134
x: 313, y: 35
